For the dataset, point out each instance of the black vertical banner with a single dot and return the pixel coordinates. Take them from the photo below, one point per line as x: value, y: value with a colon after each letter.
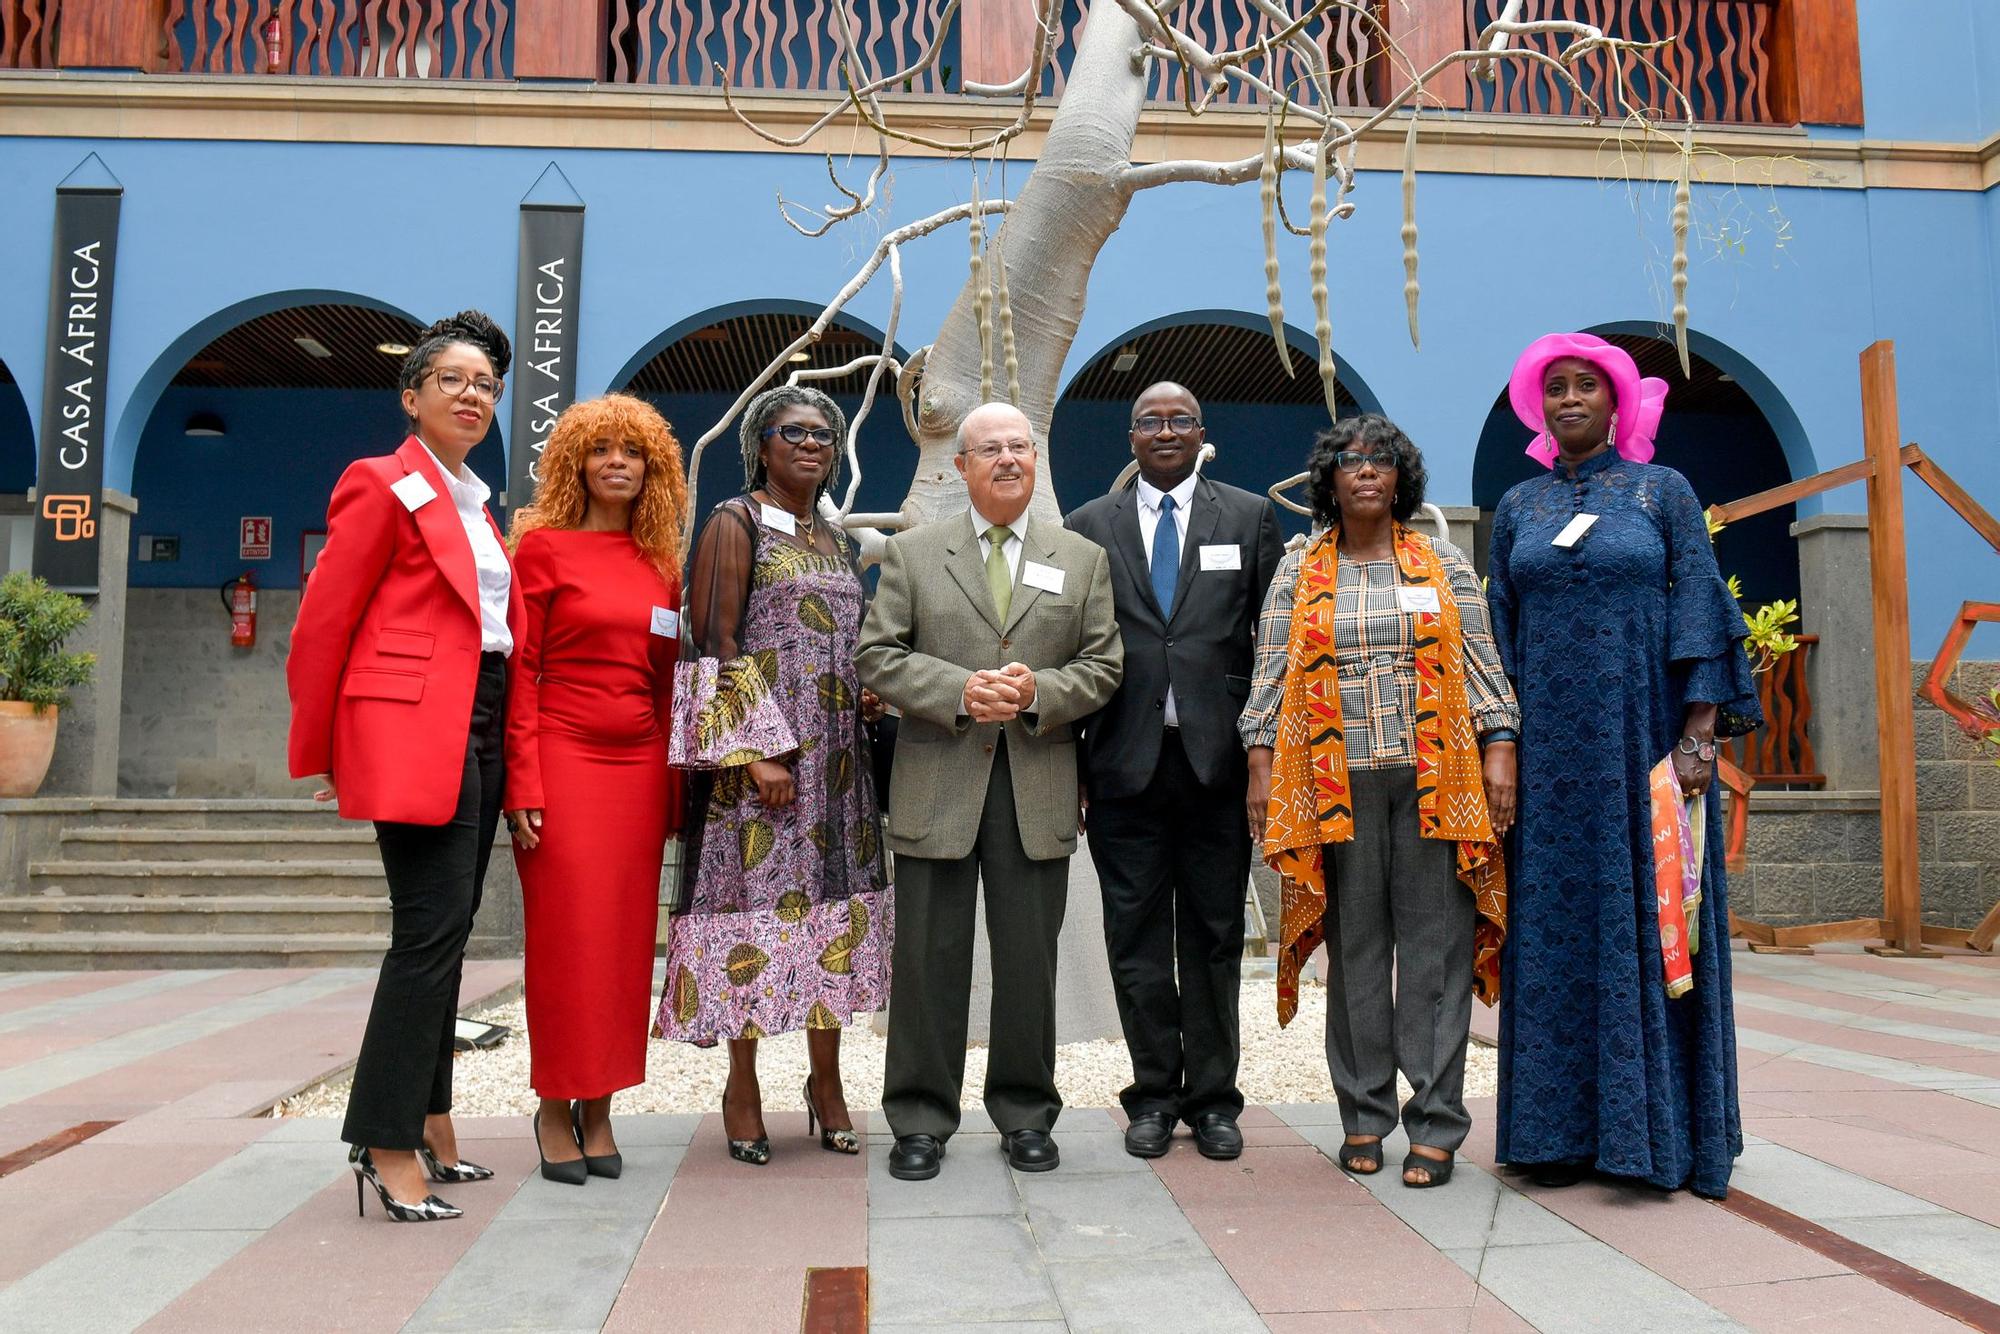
x: 69, y: 476
x: 545, y: 313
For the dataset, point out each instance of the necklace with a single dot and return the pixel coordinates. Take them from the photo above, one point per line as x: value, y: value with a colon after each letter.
x: 808, y: 523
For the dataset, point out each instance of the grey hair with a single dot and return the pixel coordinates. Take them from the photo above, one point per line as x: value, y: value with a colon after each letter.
x: 757, y: 417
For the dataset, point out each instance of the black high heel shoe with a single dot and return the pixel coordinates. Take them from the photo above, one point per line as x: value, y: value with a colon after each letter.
x: 572, y: 1173
x: 607, y: 1165
x: 452, y: 1173
x: 430, y: 1210
x: 756, y: 1152
x: 833, y: 1141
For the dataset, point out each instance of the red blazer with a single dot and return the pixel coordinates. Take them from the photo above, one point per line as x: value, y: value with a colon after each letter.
x: 385, y: 654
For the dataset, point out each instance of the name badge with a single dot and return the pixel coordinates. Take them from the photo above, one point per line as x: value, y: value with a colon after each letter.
x: 1417, y: 598
x: 1045, y: 577
x: 1574, y: 530
x: 1224, y: 557
x: 782, y: 520
x: 414, y: 491
x: 666, y: 623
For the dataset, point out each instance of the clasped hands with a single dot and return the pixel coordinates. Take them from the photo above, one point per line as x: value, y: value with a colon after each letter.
x: 998, y: 695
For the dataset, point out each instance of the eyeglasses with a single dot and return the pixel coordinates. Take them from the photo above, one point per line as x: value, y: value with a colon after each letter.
x: 1350, y: 460
x: 992, y: 450
x: 452, y: 383
x: 795, y: 434
x: 1180, y: 424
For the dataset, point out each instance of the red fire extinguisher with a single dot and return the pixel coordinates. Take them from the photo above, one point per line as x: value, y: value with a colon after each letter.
x: 239, y: 595
x: 274, y: 44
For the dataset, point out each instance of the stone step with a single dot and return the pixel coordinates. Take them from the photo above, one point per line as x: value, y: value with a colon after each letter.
x: 203, y: 914
x: 182, y: 813
x: 105, y: 843
x: 346, y: 878
x: 80, y: 951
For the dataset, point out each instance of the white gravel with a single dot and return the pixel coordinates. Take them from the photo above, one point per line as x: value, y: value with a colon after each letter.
x: 1285, y: 1066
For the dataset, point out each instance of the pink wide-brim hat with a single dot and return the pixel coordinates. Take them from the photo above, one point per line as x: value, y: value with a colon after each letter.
x: 1639, y: 400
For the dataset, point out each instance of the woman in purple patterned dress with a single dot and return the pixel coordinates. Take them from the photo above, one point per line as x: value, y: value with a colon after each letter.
x: 789, y: 914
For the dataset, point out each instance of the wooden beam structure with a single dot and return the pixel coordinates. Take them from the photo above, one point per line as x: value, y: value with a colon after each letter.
x: 113, y: 35
x: 561, y: 39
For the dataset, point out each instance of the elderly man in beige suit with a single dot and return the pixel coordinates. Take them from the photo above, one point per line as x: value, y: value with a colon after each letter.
x: 993, y: 634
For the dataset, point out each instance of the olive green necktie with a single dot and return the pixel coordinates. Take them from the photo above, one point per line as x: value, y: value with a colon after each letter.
x: 999, y: 582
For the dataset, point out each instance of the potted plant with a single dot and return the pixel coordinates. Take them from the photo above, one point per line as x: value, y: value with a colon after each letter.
x: 35, y: 676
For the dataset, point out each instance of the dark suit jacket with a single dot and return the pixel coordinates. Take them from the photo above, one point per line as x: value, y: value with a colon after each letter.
x: 1204, y: 651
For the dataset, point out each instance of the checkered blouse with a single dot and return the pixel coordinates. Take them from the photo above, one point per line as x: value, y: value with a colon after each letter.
x: 1376, y: 651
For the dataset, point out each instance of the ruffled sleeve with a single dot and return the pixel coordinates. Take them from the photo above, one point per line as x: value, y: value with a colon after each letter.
x: 725, y: 710
x: 1705, y: 629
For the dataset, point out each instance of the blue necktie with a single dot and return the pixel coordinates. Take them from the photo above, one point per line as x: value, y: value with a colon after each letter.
x: 1166, y: 557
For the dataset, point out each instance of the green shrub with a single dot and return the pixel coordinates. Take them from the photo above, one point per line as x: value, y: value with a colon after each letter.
x: 35, y: 620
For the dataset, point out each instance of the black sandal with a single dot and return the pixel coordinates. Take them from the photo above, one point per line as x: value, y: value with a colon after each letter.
x: 1439, y: 1169
x: 1370, y: 1153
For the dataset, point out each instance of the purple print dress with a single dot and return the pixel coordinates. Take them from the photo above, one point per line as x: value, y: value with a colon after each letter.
x: 789, y: 913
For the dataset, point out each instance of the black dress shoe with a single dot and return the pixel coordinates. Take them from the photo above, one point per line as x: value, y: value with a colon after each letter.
x: 1149, y: 1134
x: 915, y: 1157
x: 1030, y: 1150
x: 1216, y: 1135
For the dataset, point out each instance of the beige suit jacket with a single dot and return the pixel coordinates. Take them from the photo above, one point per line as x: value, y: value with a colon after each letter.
x: 932, y: 624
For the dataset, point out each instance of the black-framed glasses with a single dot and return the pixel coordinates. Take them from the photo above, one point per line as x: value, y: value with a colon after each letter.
x: 1350, y: 460
x: 794, y: 434
x: 452, y: 383
x: 1180, y: 423
x: 993, y: 449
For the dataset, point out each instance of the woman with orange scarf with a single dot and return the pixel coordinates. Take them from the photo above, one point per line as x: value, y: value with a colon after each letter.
x: 590, y: 798
x: 1381, y: 738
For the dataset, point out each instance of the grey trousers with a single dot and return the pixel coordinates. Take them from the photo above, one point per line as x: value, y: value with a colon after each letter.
x: 1395, y: 908
x: 932, y: 970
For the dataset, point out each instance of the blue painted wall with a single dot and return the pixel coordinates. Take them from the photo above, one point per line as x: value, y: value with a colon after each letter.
x: 216, y: 232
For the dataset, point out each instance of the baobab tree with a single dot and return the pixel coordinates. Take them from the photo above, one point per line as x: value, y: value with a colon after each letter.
x: 1011, y: 327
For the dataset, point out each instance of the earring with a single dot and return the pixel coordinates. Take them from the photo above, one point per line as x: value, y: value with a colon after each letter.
x: 1611, y: 435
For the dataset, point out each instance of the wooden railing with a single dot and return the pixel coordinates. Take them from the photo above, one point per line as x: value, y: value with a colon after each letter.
x: 28, y: 33
x: 1781, y: 751
x: 368, y: 39
x: 791, y: 46
x: 1718, y: 52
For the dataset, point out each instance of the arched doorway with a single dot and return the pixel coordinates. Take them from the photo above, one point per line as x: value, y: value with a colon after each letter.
x: 258, y: 421
x: 1260, y: 421
x: 694, y: 371
x: 1714, y: 432
x: 17, y: 474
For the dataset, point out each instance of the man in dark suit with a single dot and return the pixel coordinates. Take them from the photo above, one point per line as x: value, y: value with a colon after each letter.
x: 1164, y: 771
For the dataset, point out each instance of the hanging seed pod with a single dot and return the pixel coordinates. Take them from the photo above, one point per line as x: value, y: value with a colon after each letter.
x: 1681, y: 194
x: 1410, y: 227
x: 1010, y: 360
x: 1267, y: 190
x: 981, y: 299
x: 1322, y: 321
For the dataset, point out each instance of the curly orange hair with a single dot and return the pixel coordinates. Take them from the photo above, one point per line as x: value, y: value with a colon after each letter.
x: 561, y: 498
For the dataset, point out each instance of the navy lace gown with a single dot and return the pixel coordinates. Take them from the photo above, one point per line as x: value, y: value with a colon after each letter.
x: 1606, y: 643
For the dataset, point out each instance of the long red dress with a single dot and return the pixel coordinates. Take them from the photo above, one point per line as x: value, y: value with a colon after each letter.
x: 587, y: 720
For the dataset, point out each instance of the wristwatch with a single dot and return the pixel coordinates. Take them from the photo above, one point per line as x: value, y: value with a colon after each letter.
x: 1701, y: 750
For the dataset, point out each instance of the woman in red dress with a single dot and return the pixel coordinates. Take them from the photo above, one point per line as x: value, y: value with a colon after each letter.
x: 589, y: 791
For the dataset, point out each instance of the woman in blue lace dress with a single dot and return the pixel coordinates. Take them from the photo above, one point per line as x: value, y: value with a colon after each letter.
x: 1624, y: 646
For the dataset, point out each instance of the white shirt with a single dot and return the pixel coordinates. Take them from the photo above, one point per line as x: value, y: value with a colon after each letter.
x: 469, y: 496
x: 1010, y: 550
x: 1149, y: 524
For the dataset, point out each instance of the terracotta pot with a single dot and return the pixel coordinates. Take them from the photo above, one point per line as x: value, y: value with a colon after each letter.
x: 27, y: 744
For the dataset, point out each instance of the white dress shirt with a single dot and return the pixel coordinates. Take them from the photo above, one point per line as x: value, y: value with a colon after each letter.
x: 469, y: 496
x: 1010, y: 550
x: 1149, y: 524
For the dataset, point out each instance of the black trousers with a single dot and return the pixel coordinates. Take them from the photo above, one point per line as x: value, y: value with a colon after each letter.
x: 936, y: 901
x: 435, y: 873
x: 1172, y: 863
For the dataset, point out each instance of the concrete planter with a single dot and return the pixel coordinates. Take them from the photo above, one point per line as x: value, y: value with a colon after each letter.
x: 27, y: 743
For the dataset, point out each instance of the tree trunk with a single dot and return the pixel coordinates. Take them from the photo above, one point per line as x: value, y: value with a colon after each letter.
x: 1070, y: 205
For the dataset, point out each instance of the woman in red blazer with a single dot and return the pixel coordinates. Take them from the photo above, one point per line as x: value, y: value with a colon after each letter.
x: 398, y: 679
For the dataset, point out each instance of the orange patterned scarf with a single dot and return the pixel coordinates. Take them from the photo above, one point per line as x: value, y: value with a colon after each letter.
x: 1311, y: 804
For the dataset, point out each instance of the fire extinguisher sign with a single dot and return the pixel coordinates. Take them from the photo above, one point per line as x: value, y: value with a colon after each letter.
x: 253, y: 540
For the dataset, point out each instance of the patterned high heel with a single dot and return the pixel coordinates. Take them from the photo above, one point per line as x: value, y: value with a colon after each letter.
x: 430, y: 1210
x: 452, y: 1173
x: 833, y: 1141
x: 756, y: 1152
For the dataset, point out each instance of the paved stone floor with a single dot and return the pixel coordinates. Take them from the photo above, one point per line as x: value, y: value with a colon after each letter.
x: 139, y: 1190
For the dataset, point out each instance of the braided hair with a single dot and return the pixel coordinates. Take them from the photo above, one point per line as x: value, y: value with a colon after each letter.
x: 767, y: 405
